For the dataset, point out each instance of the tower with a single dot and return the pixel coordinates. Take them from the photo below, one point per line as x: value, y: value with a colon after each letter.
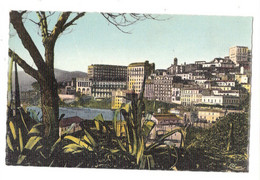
x: 175, y: 61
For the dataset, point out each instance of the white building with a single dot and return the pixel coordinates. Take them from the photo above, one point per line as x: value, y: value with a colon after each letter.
x: 185, y: 76
x: 239, y: 54
x: 212, y: 100
x: 83, y: 85
x: 226, y: 83
x: 219, y: 92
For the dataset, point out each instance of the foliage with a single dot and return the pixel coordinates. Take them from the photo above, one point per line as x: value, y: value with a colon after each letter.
x: 222, y: 147
x: 89, y: 102
x: 103, y: 146
x: 19, y: 139
x: 124, y: 145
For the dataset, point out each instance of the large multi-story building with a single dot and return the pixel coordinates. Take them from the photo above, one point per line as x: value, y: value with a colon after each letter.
x: 240, y: 54
x: 102, y: 72
x: 136, y: 72
x: 106, y: 78
x: 163, y: 88
x: 103, y: 89
x: 149, y: 89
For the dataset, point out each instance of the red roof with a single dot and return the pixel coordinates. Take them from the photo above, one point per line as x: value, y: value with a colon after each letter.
x: 65, y: 122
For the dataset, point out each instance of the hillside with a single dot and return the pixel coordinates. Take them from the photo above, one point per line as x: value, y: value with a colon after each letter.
x: 25, y: 80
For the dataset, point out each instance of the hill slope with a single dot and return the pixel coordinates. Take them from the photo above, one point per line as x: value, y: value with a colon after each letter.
x: 26, y: 80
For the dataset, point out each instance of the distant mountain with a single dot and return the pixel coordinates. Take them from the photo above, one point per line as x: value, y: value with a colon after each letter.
x: 26, y: 80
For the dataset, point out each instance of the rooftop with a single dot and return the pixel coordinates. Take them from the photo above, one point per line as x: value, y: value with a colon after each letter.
x: 108, y: 65
x: 136, y: 64
x: 211, y: 110
x: 65, y: 122
x: 166, y: 117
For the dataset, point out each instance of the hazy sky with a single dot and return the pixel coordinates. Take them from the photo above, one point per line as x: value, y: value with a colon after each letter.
x: 94, y: 41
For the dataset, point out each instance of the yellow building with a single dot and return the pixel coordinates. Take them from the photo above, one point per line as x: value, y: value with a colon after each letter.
x: 241, y: 78
x: 136, y: 73
x: 247, y: 87
x: 190, y: 96
x: 211, y: 115
x: 118, y: 98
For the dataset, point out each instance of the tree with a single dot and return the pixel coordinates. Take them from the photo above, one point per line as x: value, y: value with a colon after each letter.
x: 44, y: 74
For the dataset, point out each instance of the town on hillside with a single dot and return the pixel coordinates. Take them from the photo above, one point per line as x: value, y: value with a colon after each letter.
x: 198, y: 93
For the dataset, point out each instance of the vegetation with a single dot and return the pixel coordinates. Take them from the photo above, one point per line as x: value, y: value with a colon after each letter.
x: 222, y: 147
x: 124, y: 145
x: 89, y: 102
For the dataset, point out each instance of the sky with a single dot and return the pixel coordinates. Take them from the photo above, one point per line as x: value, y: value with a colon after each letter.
x: 95, y: 41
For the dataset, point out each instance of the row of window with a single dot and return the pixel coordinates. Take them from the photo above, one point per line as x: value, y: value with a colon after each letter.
x: 84, y: 84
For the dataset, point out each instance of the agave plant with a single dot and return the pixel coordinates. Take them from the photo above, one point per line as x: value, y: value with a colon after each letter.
x: 124, y: 144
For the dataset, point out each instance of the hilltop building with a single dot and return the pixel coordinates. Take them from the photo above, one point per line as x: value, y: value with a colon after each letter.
x: 240, y: 54
x: 175, y: 68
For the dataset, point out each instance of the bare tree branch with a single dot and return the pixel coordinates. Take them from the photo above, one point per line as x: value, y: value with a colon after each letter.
x: 111, y: 20
x: 57, y: 30
x: 122, y: 20
x: 16, y: 20
x: 50, y: 14
x: 79, y: 15
x: 37, y: 23
x: 43, y: 25
x: 28, y: 69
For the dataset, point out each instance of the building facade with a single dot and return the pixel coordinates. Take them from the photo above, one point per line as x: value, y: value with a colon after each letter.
x: 136, y: 72
x: 101, y: 72
x: 83, y: 85
x: 240, y: 54
x: 149, y: 89
x: 106, y: 78
x: 210, y: 115
x: 190, y: 96
x: 163, y: 88
x: 103, y: 89
x: 118, y: 98
x: 212, y: 100
x: 176, y: 93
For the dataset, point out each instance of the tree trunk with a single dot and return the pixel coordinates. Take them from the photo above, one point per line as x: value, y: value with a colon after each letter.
x: 50, y: 107
x: 49, y: 93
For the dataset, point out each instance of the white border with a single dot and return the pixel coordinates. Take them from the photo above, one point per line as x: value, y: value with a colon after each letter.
x: 189, y: 7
